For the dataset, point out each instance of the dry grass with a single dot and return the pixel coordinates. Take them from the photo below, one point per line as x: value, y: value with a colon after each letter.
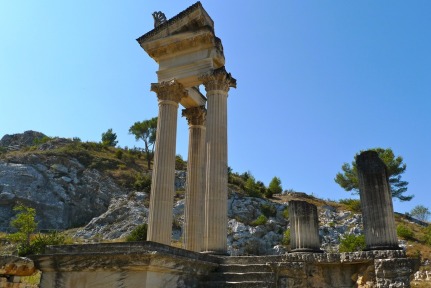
x: 420, y: 284
x: 33, y: 279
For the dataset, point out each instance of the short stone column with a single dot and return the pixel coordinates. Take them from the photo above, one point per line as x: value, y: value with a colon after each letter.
x: 304, y: 227
x: 217, y: 84
x: 163, y: 181
x: 376, y: 202
x: 195, y: 189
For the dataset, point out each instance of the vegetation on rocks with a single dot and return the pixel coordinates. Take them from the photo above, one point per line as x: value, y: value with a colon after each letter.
x: 352, y: 243
x: 138, y: 234
x: 26, y: 225
x: 420, y: 212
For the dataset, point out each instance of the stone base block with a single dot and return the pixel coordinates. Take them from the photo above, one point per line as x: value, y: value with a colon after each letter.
x: 133, y: 264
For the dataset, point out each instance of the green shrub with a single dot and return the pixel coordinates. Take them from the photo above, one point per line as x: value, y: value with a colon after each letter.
x: 251, y: 188
x: 274, y: 187
x: 39, y: 242
x: 261, y: 220
x: 119, y: 154
x: 268, y: 210
x: 235, y: 179
x: 353, y: 205
x: 142, y: 183
x: 138, y: 234
x: 93, y: 146
x: 405, y: 232
x: 352, y: 243
x: 43, y: 140
x: 24, y: 223
x: 286, y: 238
x: 427, y: 237
x: 286, y: 213
x: 180, y: 164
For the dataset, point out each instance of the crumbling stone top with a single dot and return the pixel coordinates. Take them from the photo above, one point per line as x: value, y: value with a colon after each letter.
x: 16, y: 266
x: 370, y: 163
x: 200, y: 17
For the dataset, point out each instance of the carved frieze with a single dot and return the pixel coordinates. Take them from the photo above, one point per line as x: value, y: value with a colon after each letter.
x: 218, y: 79
x: 169, y: 91
x: 203, y: 38
x: 195, y: 115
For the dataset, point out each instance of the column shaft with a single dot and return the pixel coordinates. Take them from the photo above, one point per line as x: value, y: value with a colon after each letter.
x: 194, y: 216
x: 162, y: 187
x: 376, y: 202
x: 217, y: 86
x: 304, y: 227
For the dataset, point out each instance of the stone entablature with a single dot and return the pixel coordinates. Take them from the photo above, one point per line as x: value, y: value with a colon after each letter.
x: 185, y: 47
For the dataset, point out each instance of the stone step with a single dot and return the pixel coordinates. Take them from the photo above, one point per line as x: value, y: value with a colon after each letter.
x: 243, y: 284
x: 250, y: 259
x: 241, y: 277
x: 243, y: 268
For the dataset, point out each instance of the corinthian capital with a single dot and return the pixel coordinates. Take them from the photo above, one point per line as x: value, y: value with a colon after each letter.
x: 169, y: 90
x: 218, y: 79
x: 195, y: 115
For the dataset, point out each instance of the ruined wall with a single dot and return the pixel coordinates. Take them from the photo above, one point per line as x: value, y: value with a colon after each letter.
x: 12, y: 269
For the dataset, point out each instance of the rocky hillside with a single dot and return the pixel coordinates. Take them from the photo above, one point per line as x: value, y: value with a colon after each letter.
x: 67, y: 182
x: 103, y: 192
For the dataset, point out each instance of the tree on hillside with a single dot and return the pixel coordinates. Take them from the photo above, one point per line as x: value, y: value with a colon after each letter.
x: 24, y: 223
x: 109, y: 138
x: 274, y: 187
x: 251, y: 187
x: 348, y: 178
x: 420, y: 212
x: 146, y: 131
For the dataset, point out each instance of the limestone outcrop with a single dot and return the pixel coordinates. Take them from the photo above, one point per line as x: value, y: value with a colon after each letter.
x: 64, y: 192
x: 17, y: 141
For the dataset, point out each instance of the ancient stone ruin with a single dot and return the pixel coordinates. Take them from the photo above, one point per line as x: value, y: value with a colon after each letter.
x: 189, y: 54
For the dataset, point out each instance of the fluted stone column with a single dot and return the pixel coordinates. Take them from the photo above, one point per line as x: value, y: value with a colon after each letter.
x: 217, y: 84
x: 162, y: 187
x: 195, y: 192
x: 304, y: 227
x: 376, y: 202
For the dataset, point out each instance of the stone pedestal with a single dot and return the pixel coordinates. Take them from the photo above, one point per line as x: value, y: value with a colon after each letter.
x: 304, y: 227
x: 195, y: 192
x: 394, y: 272
x: 376, y: 202
x: 162, y: 187
x: 127, y: 265
x: 217, y: 84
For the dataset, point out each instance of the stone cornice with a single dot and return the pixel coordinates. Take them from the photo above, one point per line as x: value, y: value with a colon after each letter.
x: 204, y: 37
x: 169, y: 91
x: 173, y: 21
x: 218, y: 79
x: 195, y: 115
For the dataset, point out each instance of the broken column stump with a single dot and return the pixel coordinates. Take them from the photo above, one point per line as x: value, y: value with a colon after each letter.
x: 304, y: 228
x: 376, y: 202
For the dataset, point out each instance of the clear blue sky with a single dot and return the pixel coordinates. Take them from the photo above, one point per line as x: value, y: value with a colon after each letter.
x: 317, y: 80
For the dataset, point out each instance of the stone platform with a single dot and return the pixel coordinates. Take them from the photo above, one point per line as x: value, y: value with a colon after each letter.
x: 149, y: 264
